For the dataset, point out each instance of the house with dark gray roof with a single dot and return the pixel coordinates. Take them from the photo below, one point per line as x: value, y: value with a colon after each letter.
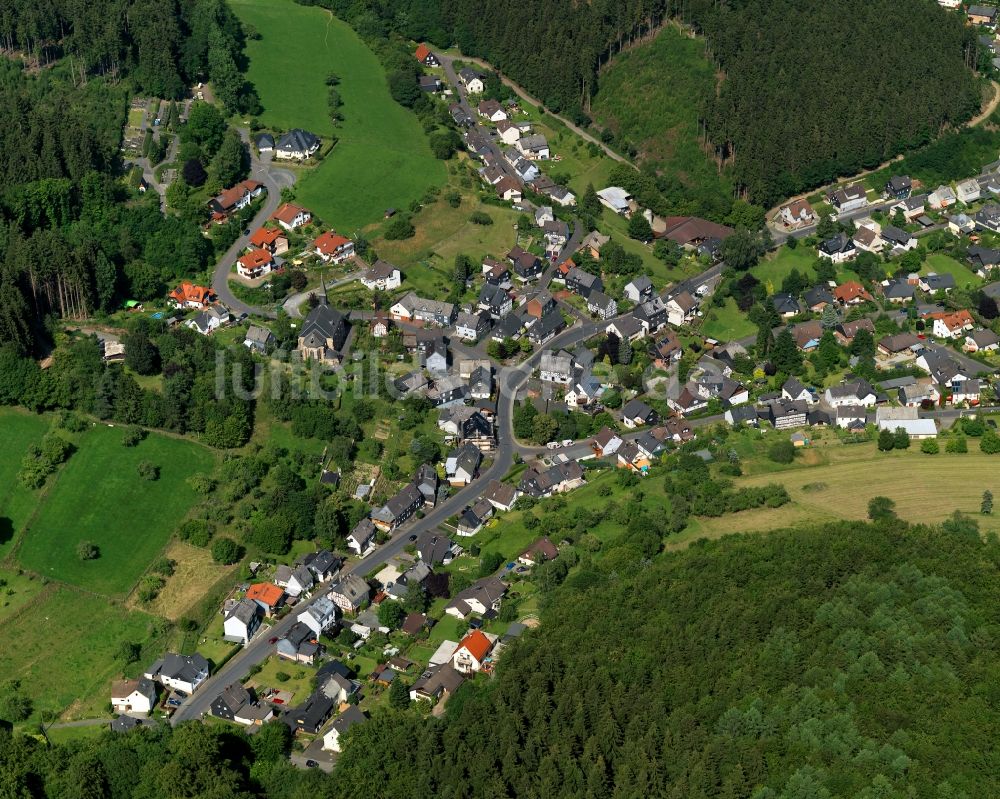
x: 323, y: 334
x: 297, y: 144
x: 398, y: 509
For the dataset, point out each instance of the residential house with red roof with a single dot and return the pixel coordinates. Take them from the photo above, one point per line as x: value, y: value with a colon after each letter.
x: 268, y: 595
x: 333, y: 248
x: 291, y: 216
x: 254, y: 264
x: 951, y: 324
x: 797, y: 213
x: 188, y: 295
x: 234, y: 199
x: 851, y: 293
x: 271, y: 239
x: 426, y: 57
x: 472, y: 651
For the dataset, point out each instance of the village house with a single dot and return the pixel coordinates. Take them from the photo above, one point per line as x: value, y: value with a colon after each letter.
x: 361, y: 540
x: 502, y: 496
x: 968, y: 191
x: 271, y: 239
x: 851, y: 293
x: 398, y: 509
x: 898, y: 187
x: 960, y: 224
x: 910, y: 208
x: 463, y: 424
x: 319, y: 616
x: 637, y: 413
x: 210, y: 320
x: 982, y: 340
x: 291, y: 216
x: 133, y: 697
x: 534, y: 147
x: 868, y: 239
x: 437, y: 682
x: 350, y: 593
x: 784, y: 413
x: 539, y: 552
x: 472, y: 326
x: 554, y: 480
x: 188, y: 295
x: 495, y: 300
x: 606, y: 442
x: 556, y: 367
x: 982, y: 15
x: 296, y: 580
x: 546, y: 327
x: 240, y: 705
x: 412, y: 308
x: 179, y: 672
x: 601, y: 305
x: 798, y: 213
x: 508, y: 132
x: 382, y: 276
x: 332, y: 248
x: 950, y: 324
x: 846, y: 331
x: 471, y: 80
x: 593, y: 243
x: 639, y: 289
x: 854, y: 391
x: 242, y: 621
x: 333, y: 738
x: 681, y: 308
x: 311, y: 715
x: 268, y: 596
x: 462, y: 465
x: 254, y: 264
x: 899, y: 240
x: 942, y: 197
x: 849, y: 198
x: 491, y: 110
x: 482, y: 596
x: 898, y: 290
x: 424, y: 55
x: 431, y: 84
x: 296, y: 145
x: 934, y: 282
x: 626, y: 328
x: 473, y: 651
x: 234, y: 199
x: 838, y: 248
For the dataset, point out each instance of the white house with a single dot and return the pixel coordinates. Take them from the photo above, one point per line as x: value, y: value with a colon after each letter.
x: 254, y: 264
x: 797, y: 213
x: 472, y: 652
x: 472, y: 81
x: 349, y: 718
x: 179, y: 672
x: 320, y: 615
x: 295, y: 581
x: 291, y: 216
x: 297, y: 144
x: 851, y: 392
x: 968, y: 191
x: 207, y: 321
x: 333, y: 248
x: 942, y: 197
x: 509, y: 133
x: 951, y: 324
x: 242, y: 621
x: 383, y: 276
x: 681, y: 308
x: 133, y: 697
x: 362, y: 538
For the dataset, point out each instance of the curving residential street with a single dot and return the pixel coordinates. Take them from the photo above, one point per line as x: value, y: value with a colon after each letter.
x: 274, y: 180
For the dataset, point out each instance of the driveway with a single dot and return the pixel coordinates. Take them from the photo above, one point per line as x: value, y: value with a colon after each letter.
x: 274, y: 180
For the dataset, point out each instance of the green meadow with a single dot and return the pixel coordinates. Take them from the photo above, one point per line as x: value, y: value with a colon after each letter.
x: 382, y: 158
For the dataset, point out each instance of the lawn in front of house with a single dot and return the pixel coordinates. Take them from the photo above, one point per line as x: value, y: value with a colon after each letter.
x: 98, y: 496
x: 776, y: 266
x: 382, y: 158
x: 20, y: 430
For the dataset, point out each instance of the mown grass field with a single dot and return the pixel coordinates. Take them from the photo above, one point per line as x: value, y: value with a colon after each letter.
x: 98, y: 496
x: 62, y: 648
x: 653, y: 94
x: 382, y: 158
x: 20, y: 430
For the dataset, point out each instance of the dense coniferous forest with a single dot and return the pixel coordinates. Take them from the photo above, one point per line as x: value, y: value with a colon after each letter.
x: 811, y: 91
x: 852, y: 660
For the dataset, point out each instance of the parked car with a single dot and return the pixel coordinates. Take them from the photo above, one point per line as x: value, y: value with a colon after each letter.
x: 567, y: 442
x: 553, y: 445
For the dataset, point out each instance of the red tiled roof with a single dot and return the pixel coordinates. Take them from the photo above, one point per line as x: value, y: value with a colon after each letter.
x: 328, y: 243
x: 287, y: 212
x: 850, y: 290
x: 266, y: 593
x: 188, y: 292
x: 265, y: 236
x: 255, y: 259
x: 953, y: 320
x: 422, y: 52
x: 477, y: 644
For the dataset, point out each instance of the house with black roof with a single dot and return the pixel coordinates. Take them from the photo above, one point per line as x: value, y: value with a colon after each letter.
x: 311, y: 715
x: 546, y: 327
x: 297, y: 144
x: 323, y: 334
x: 899, y: 187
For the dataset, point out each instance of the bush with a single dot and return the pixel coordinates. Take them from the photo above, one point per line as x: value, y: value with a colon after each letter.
x: 201, y: 483
x: 87, y: 550
x: 226, y: 551
x: 782, y: 452
x: 480, y: 218
x: 164, y: 566
x: 399, y: 228
x: 132, y: 436
x: 196, y: 532
x: 929, y: 446
x: 880, y: 508
x: 989, y: 444
x: 148, y: 470
x: 957, y: 445
x: 282, y: 676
